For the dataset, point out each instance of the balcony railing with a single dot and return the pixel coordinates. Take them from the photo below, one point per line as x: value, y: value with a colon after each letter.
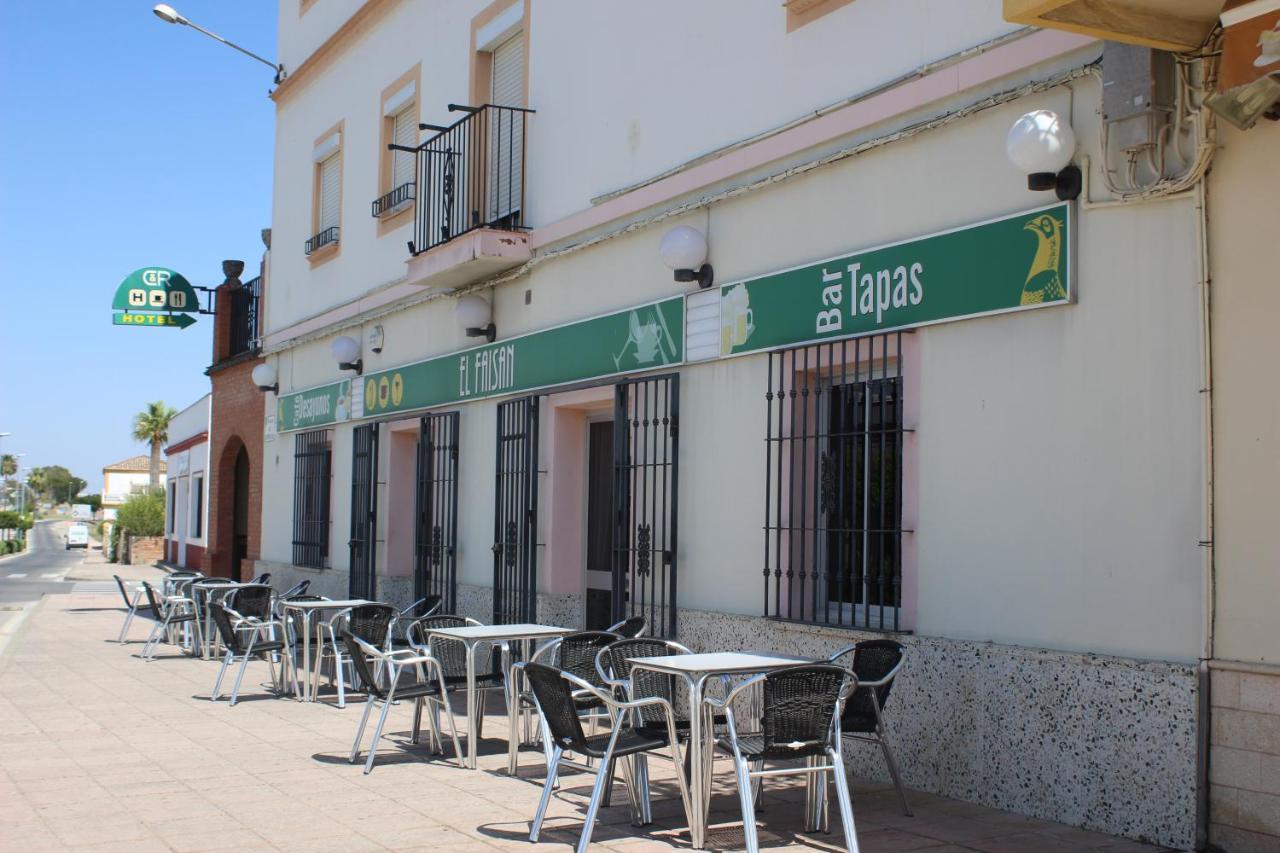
x: 244, y: 317
x: 325, y: 238
x: 471, y: 175
x: 394, y: 200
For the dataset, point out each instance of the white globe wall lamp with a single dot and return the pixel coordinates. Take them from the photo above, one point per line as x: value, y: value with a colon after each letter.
x: 475, y: 315
x: 264, y: 376
x: 684, y: 250
x: 1041, y: 145
x: 346, y: 351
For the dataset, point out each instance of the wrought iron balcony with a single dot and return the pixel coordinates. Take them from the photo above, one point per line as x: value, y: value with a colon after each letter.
x: 397, y: 199
x: 326, y: 237
x: 470, y: 175
x: 244, y: 317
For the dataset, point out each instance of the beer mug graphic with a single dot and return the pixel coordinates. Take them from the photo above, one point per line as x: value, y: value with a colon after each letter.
x: 736, y: 320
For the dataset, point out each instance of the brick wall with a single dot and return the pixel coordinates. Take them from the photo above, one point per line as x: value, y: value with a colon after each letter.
x: 145, y: 550
x: 1244, y: 757
x: 237, y: 424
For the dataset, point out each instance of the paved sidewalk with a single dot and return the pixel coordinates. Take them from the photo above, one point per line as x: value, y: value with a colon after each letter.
x: 99, y: 750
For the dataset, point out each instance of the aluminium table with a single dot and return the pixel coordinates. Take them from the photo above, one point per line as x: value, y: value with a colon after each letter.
x: 474, y: 636
x: 307, y: 688
x: 695, y: 669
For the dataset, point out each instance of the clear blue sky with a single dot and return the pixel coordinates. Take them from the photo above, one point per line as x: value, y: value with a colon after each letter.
x: 124, y: 142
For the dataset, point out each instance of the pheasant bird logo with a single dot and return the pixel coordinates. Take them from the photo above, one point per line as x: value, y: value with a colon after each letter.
x: 1043, y: 283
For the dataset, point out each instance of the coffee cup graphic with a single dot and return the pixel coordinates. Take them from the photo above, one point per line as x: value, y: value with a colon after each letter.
x: 1268, y: 47
x: 737, y: 321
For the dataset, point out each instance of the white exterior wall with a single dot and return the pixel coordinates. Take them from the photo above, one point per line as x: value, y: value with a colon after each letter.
x: 183, y: 468
x: 1059, y: 451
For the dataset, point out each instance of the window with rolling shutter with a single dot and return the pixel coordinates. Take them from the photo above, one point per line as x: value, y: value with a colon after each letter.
x: 506, y: 130
x: 330, y: 192
x: 404, y: 132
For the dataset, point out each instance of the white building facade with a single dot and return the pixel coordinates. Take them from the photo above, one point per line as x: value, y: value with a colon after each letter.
x: 186, y: 492
x: 916, y: 398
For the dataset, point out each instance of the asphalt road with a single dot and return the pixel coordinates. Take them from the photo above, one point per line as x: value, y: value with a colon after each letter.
x: 27, y: 577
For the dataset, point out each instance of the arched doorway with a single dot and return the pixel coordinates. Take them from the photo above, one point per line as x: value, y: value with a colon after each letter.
x: 240, y: 514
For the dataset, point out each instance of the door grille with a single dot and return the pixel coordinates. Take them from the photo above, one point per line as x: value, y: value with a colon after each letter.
x: 515, y: 518
x: 646, y: 424
x: 436, y: 510
x: 364, y: 512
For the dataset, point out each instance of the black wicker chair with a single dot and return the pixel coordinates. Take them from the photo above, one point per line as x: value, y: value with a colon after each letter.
x: 427, y: 686
x: 556, y: 695
x: 876, y: 663
x: 300, y: 588
x: 629, y: 629
x: 801, y: 708
x: 576, y: 654
x: 369, y: 622
x: 252, y: 602
x: 265, y: 577
x: 452, y: 656
x: 131, y: 606
x: 245, y: 638
x: 169, y: 614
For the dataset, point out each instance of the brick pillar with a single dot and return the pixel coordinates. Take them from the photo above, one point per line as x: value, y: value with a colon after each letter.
x: 231, y: 271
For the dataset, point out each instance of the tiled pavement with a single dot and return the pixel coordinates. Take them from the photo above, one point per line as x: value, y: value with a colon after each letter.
x: 101, y: 751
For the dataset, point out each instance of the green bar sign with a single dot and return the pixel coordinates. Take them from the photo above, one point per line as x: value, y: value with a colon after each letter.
x: 314, y: 407
x: 642, y: 338
x: 1008, y: 264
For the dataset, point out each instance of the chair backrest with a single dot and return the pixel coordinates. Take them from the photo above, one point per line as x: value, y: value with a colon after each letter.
x: 873, y: 660
x: 576, y: 654
x: 152, y: 600
x: 630, y: 628
x: 615, y: 659
x: 295, y: 617
x: 365, y: 679
x: 128, y: 602
x: 423, y: 606
x: 203, y: 598
x: 799, y: 707
x: 555, y: 700
x: 372, y: 622
x: 253, y: 601
x: 222, y: 619
x: 452, y: 654
x: 297, y: 589
x: 262, y: 578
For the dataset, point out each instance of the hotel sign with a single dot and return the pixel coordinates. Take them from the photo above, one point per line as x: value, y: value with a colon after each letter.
x: 1008, y: 264
x: 642, y: 338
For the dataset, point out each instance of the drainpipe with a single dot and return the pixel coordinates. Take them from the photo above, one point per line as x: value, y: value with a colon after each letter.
x: 1206, y: 538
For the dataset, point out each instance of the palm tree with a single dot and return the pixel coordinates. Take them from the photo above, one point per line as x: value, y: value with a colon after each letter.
x: 152, y: 426
x: 8, y: 465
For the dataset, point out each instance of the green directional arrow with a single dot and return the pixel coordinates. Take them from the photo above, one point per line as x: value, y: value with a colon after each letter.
x: 128, y: 318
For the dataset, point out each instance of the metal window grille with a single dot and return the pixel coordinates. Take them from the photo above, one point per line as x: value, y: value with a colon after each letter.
x: 436, y: 510
x: 197, y: 503
x: 833, y: 499
x: 312, y: 466
x: 646, y: 424
x: 245, y: 301
x: 515, y: 518
x: 363, y: 543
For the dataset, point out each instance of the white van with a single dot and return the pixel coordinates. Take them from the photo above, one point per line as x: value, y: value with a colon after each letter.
x: 78, y: 536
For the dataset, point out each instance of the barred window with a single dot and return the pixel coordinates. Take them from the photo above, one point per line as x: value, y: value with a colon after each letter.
x: 312, y: 462
x: 833, y: 501
x: 197, y: 507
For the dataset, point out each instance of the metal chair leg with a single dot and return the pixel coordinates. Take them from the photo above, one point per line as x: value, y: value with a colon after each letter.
x: 597, y: 792
x: 377, y: 734
x: 417, y: 721
x: 222, y: 670
x: 846, y: 806
x: 553, y: 769
x: 750, y: 840
x: 128, y: 620
x: 355, y: 747
x: 883, y: 736
x: 235, y: 691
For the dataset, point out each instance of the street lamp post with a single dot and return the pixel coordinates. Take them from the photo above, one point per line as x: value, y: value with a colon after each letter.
x: 170, y: 15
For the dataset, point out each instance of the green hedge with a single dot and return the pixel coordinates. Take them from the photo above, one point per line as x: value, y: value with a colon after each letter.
x: 11, y: 546
x: 143, y: 514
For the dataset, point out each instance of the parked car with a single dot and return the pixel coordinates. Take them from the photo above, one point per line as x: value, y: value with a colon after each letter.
x: 78, y: 536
